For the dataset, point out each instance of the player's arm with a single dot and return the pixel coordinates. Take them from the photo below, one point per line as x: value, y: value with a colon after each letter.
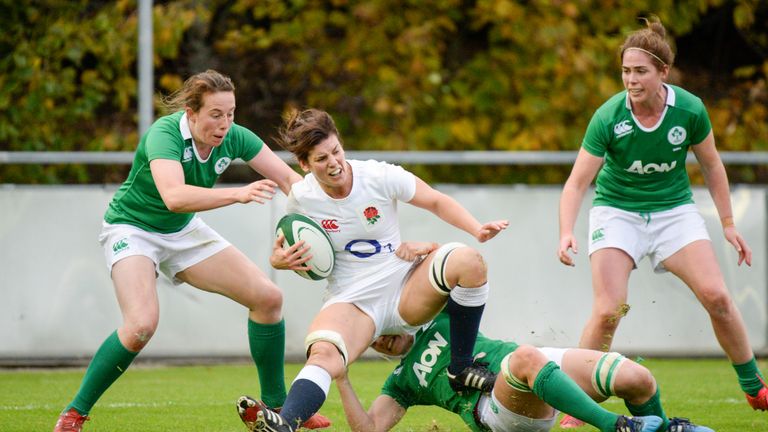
x: 268, y: 164
x: 449, y: 210
x: 584, y: 170
x: 183, y: 198
x: 717, y: 183
x: 383, y: 415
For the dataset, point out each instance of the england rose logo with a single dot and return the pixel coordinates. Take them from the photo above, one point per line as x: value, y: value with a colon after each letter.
x: 371, y: 215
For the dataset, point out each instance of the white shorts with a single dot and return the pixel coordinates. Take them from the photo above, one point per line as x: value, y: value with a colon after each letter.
x: 171, y: 253
x: 378, y: 296
x: 657, y: 235
x: 499, y: 419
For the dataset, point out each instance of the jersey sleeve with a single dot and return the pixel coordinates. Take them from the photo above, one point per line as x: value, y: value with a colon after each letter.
x: 701, y: 124
x: 163, y: 143
x: 247, y: 145
x: 596, y: 138
x: 401, y: 184
x: 392, y: 389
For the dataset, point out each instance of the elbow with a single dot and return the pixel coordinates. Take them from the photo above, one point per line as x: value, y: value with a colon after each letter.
x: 174, y: 204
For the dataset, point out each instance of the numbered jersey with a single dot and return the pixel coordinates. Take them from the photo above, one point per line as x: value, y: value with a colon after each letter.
x: 363, y: 226
x: 421, y: 378
x: 644, y: 169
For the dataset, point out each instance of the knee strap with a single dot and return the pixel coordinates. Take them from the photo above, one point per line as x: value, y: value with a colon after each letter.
x: 512, y: 380
x: 329, y: 336
x: 605, y: 373
x: 438, y: 266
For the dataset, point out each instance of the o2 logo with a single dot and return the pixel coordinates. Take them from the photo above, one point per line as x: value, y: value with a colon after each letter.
x: 367, y: 248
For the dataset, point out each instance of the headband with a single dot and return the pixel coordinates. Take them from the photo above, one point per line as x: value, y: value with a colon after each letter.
x: 647, y: 52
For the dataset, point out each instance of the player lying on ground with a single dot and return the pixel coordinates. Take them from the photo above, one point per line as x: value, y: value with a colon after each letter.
x: 533, y: 384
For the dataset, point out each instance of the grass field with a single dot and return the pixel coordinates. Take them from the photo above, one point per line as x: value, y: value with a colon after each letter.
x: 201, y: 398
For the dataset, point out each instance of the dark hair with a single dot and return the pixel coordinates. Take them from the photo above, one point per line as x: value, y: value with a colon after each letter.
x: 190, y: 95
x: 652, y: 39
x: 303, y: 130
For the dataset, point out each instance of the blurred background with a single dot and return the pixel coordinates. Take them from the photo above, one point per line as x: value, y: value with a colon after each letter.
x: 396, y: 74
x: 513, y: 78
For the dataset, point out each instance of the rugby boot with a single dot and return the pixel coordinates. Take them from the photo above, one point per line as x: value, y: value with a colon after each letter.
x: 638, y: 424
x: 70, y: 421
x: 476, y: 376
x: 259, y: 418
x: 679, y: 424
x: 760, y: 401
x: 251, y: 407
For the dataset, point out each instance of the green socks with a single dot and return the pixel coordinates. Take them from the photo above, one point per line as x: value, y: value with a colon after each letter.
x: 557, y: 389
x: 109, y: 362
x: 267, y: 343
x: 748, y: 374
x: 650, y: 407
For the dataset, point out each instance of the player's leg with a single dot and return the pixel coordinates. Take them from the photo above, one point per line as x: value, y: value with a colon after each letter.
x: 610, y: 277
x: 529, y: 370
x: 135, y: 288
x: 230, y: 273
x: 338, y: 335
x: 696, y: 265
x: 455, y: 276
x: 602, y: 375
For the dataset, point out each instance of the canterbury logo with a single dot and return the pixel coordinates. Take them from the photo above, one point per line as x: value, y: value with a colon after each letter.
x: 330, y: 224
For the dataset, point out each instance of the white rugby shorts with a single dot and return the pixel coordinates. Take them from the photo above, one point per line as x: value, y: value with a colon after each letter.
x: 657, y: 235
x: 171, y: 253
x: 499, y: 419
x: 378, y: 296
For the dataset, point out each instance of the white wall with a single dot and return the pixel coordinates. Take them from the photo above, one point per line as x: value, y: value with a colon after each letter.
x: 58, y: 300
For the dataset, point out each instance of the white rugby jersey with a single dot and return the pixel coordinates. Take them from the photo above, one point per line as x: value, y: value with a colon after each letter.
x: 363, y: 226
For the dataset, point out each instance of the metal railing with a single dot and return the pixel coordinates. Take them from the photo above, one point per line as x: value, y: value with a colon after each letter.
x: 398, y: 157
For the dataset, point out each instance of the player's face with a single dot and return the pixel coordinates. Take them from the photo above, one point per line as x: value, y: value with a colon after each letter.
x: 642, y: 79
x: 210, y: 125
x: 393, y: 345
x: 326, y: 161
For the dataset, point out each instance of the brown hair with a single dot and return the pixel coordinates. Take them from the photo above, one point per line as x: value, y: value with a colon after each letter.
x: 652, y: 40
x: 303, y: 130
x: 190, y: 95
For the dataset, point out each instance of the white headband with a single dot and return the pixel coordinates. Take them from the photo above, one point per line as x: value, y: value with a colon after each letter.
x: 647, y: 52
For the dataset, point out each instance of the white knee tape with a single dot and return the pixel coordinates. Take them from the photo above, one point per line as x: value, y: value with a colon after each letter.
x: 438, y: 266
x: 605, y: 373
x: 512, y: 380
x: 327, y: 336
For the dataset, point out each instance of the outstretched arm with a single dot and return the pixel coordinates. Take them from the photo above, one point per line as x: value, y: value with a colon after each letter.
x: 449, y: 210
x: 183, y: 198
x: 384, y: 414
x: 717, y: 183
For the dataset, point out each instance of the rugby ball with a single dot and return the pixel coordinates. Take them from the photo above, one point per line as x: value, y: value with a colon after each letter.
x: 296, y: 227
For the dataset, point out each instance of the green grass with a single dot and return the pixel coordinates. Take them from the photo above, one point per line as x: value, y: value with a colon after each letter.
x: 201, y: 398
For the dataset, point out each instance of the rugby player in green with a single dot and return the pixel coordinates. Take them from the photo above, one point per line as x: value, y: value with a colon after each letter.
x: 532, y: 384
x: 151, y: 227
x: 636, y: 144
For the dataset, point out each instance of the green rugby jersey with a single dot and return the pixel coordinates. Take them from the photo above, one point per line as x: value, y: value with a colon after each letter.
x: 644, y: 169
x: 137, y: 202
x: 421, y: 378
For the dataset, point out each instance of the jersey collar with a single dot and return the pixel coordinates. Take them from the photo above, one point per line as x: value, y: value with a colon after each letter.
x: 186, y: 134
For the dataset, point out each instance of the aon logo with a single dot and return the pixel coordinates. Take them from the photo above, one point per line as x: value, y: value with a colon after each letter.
x: 429, y: 356
x: 638, y: 167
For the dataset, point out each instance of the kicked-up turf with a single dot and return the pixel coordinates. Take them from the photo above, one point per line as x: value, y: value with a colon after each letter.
x: 202, y: 398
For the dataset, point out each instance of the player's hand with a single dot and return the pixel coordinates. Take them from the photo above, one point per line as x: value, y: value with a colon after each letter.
x: 567, y: 242
x: 259, y: 191
x: 292, y: 258
x: 489, y: 230
x: 410, y: 251
x: 745, y: 253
